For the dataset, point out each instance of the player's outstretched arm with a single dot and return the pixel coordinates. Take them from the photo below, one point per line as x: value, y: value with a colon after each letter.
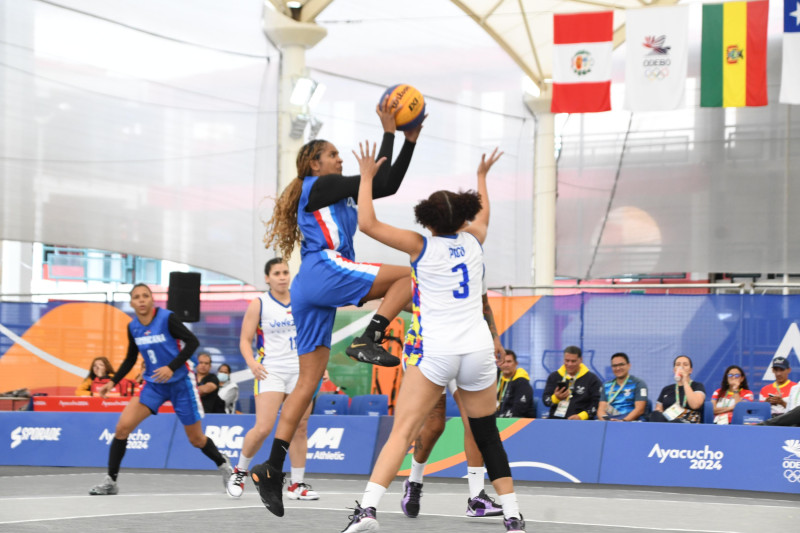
x: 403, y: 240
x: 480, y: 225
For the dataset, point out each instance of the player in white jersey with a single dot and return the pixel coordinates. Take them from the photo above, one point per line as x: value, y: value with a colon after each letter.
x: 449, y: 337
x: 275, y: 367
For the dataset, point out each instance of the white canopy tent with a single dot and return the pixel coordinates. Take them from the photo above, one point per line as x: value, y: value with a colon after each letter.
x: 152, y: 128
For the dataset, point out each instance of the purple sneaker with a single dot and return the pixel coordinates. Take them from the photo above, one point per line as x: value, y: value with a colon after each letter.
x: 362, y: 520
x: 514, y: 525
x: 483, y: 505
x: 412, y: 492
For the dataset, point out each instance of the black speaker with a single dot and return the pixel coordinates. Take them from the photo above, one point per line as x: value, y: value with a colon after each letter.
x: 183, y: 297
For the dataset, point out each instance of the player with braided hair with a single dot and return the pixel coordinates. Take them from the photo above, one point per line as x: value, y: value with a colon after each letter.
x: 318, y: 209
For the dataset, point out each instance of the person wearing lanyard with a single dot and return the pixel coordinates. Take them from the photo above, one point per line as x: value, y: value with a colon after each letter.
x: 683, y: 401
x: 777, y: 393
x: 734, y: 389
x: 624, y: 397
x: 572, y: 392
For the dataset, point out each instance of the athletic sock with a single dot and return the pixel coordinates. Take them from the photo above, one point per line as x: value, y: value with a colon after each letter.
x: 372, y: 495
x: 210, y: 450
x: 510, y: 505
x: 417, y: 471
x: 115, y: 454
x: 298, y: 474
x: 475, y: 479
x: 278, y: 454
x: 377, y: 327
x: 244, y: 463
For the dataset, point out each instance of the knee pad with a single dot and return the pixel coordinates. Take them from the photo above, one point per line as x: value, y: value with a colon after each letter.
x: 487, y: 437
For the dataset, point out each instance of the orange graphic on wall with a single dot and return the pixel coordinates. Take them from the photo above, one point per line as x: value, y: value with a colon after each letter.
x: 73, y: 334
x: 508, y: 309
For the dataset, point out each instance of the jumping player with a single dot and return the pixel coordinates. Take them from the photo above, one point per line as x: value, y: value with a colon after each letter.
x: 320, y: 205
x: 448, y: 337
x: 275, y: 367
x: 154, y: 332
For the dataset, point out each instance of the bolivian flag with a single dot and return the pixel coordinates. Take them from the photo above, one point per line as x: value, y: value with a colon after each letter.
x: 734, y: 57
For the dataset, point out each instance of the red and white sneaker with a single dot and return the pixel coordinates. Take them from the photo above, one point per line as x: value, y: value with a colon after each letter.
x: 301, y: 491
x: 235, y: 485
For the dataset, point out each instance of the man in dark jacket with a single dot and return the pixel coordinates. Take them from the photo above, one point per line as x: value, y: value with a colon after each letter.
x: 572, y: 392
x: 514, y: 391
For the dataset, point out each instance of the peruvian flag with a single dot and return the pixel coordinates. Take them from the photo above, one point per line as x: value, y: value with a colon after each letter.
x: 582, y: 44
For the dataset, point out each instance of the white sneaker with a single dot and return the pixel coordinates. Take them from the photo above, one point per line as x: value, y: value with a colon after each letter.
x: 301, y: 491
x: 107, y: 488
x: 227, y: 471
x: 235, y: 484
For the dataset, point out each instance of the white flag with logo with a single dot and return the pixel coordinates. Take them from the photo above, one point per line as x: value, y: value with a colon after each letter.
x: 790, y: 73
x: 657, y: 57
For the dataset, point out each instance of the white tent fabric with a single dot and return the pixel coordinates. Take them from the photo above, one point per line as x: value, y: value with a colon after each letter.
x: 149, y: 127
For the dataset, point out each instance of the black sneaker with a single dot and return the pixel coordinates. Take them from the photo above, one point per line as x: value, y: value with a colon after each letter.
x: 269, y: 483
x: 412, y: 492
x: 483, y: 505
x: 367, y: 350
x: 514, y: 525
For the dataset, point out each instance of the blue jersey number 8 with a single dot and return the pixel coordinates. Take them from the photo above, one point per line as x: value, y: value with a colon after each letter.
x: 463, y: 287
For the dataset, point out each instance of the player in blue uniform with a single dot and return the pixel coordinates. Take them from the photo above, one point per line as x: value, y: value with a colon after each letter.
x: 448, y: 339
x: 319, y: 209
x: 155, y: 333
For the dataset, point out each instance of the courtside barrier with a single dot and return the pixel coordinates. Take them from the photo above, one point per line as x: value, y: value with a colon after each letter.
x: 700, y: 455
x: 538, y: 450
x: 696, y: 455
x: 80, y: 439
x: 336, y: 444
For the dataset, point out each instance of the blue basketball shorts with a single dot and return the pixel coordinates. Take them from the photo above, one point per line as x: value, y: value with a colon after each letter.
x: 183, y: 395
x: 325, y: 282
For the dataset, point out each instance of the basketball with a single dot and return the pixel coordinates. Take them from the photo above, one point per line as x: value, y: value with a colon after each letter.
x: 413, y: 105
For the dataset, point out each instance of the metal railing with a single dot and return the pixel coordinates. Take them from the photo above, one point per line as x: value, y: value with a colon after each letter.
x: 719, y: 288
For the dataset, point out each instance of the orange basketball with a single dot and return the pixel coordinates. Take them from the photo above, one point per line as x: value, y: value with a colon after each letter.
x: 413, y: 111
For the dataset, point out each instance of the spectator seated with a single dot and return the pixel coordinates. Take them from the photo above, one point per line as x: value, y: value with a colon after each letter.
x: 331, y: 404
x: 370, y: 405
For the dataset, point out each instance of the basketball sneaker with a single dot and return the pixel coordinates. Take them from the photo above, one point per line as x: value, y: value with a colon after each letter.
x: 483, y: 505
x: 226, y: 470
x: 367, y: 350
x: 269, y: 483
x: 514, y: 525
x: 362, y: 520
x: 107, y: 488
x: 235, y: 486
x: 301, y: 491
x: 412, y: 492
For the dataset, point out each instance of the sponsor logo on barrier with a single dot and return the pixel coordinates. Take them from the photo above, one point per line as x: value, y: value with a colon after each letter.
x: 137, y: 440
x: 323, y: 438
x: 115, y: 403
x: 791, y: 463
x: 64, y: 403
x: 703, y: 459
x: 228, y: 439
x: 33, y: 433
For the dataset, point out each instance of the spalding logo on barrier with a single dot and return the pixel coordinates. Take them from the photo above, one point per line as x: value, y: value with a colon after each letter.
x: 33, y: 433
